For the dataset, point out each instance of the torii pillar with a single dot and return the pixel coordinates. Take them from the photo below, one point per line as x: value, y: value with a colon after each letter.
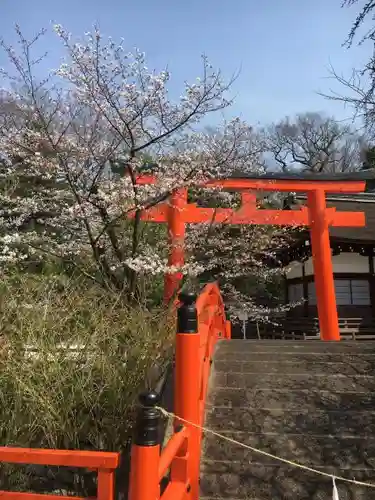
x: 323, y: 268
x: 177, y: 213
x: 176, y: 239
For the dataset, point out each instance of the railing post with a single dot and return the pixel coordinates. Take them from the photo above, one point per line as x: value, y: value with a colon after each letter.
x: 145, y: 454
x: 106, y: 484
x: 188, y: 373
x: 228, y: 329
x: 227, y: 323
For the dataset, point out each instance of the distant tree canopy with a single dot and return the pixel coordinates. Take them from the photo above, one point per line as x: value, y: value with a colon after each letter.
x: 312, y: 142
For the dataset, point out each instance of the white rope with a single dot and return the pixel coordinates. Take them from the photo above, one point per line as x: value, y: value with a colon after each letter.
x: 269, y: 455
x: 335, y: 494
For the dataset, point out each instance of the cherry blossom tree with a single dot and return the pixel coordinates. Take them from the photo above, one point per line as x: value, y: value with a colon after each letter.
x: 84, y: 133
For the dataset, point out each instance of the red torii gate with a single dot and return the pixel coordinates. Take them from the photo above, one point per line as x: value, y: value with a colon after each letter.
x: 177, y: 212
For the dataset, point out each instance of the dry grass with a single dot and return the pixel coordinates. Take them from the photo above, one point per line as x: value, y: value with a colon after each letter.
x: 55, y: 400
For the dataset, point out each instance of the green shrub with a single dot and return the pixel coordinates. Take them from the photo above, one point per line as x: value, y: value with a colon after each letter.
x: 74, y: 358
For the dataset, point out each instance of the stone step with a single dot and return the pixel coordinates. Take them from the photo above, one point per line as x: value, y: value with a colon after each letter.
x: 310, y: 402
x: 322, y: 382
x: 306, y: 366
x: 281, y: 482
x: 311, y: 346
x: 314, y: 451
x: 290, y: 399
x: 292, y: 357
x: 319, y: 422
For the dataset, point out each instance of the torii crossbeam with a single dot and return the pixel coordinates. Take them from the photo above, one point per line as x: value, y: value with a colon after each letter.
x: 177, y: 212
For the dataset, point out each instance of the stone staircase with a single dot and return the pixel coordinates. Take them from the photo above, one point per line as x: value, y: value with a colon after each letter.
x: 311, y: 402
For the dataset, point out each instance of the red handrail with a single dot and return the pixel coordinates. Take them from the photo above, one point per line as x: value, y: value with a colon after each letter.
x: 200, y: 325
x: 170, y: 451
x: 104, y: 463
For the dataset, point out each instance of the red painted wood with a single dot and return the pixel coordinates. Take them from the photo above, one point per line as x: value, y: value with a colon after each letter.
x: 68, y: 458
x: 296, y: 185
x: 176, y: 491
x: 171, y: 450
x: 144, y: 473
x: 316, y: 215
x: 17, y: 495
x: 250, y: 215
x: 300, y: 185
x: 323, y: 270
x: 176, y: 234
x: 106, y: 484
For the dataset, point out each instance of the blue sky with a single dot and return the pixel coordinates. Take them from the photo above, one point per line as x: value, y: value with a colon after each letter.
x: 283, y: 48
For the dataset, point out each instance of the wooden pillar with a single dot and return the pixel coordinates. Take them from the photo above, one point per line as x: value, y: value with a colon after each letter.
x: 305, y: 285
x: 372, y: 281
x: 286, y: 290
x: 323, y: 269
x: 176, y: 237
x: 187, y: 380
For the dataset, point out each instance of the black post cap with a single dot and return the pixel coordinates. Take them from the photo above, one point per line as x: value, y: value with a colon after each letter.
x: 149, y: 399
x: 187, y: 316
x: 148, y: 420
x: 187, y: 298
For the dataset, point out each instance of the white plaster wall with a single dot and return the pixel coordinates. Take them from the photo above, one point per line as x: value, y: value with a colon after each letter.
x: 346, y: 262
x: 294, y: 270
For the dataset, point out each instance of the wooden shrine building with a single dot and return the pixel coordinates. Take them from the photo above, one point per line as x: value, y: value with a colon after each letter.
x: 353, y: 260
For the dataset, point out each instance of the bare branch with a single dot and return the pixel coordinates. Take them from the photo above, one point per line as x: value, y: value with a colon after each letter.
x: 314, y: 143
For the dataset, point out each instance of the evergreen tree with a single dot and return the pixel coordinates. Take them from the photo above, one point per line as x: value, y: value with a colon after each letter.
x: 369, y: 158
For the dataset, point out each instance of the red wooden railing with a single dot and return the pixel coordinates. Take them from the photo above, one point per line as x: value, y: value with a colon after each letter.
x: 104, y: 463
x: 200, y: 324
